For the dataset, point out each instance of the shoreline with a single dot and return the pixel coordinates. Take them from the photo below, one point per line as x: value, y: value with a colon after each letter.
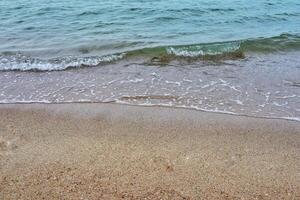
x: 248, y: 87
x: 292, y: 119
x: 113, y: 151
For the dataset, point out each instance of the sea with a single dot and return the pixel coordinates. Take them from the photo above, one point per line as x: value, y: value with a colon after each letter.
x: 238, y: 57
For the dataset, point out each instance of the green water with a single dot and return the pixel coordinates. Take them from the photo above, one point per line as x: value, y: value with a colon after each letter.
x: 52, y: 34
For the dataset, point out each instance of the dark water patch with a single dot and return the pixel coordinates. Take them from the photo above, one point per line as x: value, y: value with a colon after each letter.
x: 88, y: 13
x: 221, y: 9
x: 105, y: 24
x: 18, y: 7
x: 269, y: 4
x: 53, y: 9
x: 136, y: 9
x: 287, y: 14
x: 82, y: 28
x: 29, y: 28
x: 274, y: 18
x: 19, y: 21
x: 193, y: 11
x: 166, y: 18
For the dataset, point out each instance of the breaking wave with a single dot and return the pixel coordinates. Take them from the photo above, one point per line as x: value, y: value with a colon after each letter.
x: 164, y: 54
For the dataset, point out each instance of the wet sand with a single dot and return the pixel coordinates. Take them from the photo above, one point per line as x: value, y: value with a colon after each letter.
x: 107, y: 151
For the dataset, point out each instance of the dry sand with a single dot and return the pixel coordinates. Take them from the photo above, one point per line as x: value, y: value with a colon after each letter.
x: 105, y: 151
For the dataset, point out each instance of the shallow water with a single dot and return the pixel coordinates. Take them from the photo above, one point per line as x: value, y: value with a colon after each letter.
x: 235, y: 57
x: 262, y: 86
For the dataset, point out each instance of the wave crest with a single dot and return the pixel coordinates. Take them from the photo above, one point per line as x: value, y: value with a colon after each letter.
x: 21, y: 62
x: 159, y: 55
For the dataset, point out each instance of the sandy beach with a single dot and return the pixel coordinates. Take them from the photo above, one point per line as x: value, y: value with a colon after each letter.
x: 150, y: 100
x: 108, y: 151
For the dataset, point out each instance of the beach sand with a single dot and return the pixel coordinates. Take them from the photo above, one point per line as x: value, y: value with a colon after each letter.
x: 108, y: 151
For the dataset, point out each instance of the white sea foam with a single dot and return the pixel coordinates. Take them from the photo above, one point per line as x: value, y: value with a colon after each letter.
x: 206, y: 49
x: 184, y: 52
x: 24, y: 63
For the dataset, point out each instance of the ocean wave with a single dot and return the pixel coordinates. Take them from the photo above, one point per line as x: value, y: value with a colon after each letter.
x: 228, y: 50
x: 204, y: 49
x: 284, y: 42
x: 21, y: 62
x: 222, y: 50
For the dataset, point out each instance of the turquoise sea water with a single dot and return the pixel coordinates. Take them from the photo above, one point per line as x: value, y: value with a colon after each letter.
x: 237, y: 57
x: 63, y: 33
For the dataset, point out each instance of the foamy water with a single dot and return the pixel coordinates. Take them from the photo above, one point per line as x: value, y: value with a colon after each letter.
x: 261, y: 86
